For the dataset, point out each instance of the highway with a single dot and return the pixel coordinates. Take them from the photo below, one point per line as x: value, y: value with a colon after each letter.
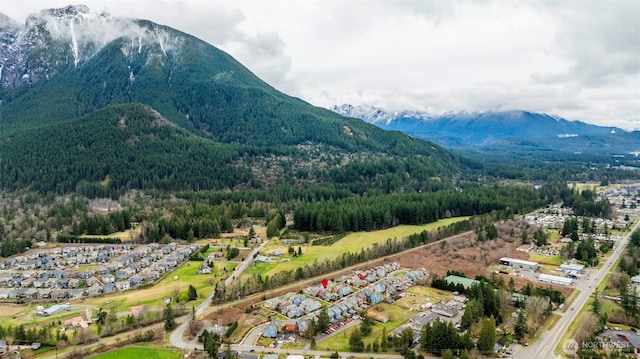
x: 545, y: 346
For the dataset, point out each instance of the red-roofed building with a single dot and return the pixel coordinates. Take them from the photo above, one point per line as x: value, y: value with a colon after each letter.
x: 136, y: 310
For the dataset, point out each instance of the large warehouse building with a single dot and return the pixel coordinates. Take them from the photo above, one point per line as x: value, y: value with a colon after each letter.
x: 554, y: 279
x: 519, y: 264
x: 572, y: 267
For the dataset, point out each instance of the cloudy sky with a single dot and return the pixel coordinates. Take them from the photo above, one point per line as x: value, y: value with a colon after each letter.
x: 576, y: 59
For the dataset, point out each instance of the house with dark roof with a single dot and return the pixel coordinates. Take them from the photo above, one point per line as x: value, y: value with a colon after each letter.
x: 223, y: 355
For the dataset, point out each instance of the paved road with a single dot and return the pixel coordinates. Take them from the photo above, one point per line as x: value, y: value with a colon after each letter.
x: 176, y: 338
x: 254, y: 335
x: 323, y: 353
x: 244, y: 265
x: 544, y: 347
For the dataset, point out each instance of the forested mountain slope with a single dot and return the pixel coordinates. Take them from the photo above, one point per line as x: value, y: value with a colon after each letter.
x: 65, y: 64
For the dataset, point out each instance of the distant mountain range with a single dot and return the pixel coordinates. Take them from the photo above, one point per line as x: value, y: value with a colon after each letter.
x: 506, y: 129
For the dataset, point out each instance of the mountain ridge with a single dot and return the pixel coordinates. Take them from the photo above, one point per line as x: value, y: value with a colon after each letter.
x: 487, y: 128
x: 55, y: 73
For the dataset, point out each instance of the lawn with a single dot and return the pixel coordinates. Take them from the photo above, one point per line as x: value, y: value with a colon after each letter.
x: 124, y: 236
x: 435, y: 295
x: 397, y: 316
x: 542, y: 259
x: 245, y: 324
x: 178, y: 280
x: 353, y: 243
x: 608, y: 306
x: 140, y: 352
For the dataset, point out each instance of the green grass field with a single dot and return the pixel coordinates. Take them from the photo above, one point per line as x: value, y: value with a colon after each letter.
x: 353, y: 243
x: 140, y: 352
x: 435, y: 295
x: 396, y: 315
x: 125, y: 236
x: 187, y: 274
x: 550, y: 260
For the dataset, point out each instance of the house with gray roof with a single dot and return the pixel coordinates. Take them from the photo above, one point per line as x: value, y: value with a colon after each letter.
x: 135, y: 281
x: 108, y: 278
x: 58, y: 294
x: 45, y: 293
x: 108, y: 288
x: 443, y: 309
x: 94, y: 290
x: 76, y: 293
x: 123, y: 285
x: 270, y: 330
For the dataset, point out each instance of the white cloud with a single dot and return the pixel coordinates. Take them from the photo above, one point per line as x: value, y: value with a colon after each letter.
x: 579, y: 60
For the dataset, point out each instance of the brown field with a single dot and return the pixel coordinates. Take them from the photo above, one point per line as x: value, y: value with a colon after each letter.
x: 7, y: 310
x: 462, y: 253
x: 465, y: 254
x: 226, y: 315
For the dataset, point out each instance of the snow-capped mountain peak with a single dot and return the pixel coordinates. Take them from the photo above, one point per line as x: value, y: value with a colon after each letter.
x: 53, y: 39
x: 475, y: 128
x: 376, y: 115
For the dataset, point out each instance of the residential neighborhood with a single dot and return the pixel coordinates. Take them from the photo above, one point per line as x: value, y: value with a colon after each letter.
x: 53, y: 273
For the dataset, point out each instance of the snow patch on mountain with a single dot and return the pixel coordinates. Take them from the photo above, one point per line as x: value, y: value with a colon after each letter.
x: 376, y: 115
x: 38, y: 48
x: 480, y: 128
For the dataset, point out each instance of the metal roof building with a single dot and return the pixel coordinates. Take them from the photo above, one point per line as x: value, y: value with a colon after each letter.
x: 519, y: 264
x: 466, y: 282
x: 554, y: 279
x: 572, y: 267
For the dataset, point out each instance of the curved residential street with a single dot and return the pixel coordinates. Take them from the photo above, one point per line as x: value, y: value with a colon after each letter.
x: 176, y: 338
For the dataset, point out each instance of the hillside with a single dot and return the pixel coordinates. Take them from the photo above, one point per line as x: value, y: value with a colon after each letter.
x: 124, y: 146
x: 188, y: 81
x: 225, y: 128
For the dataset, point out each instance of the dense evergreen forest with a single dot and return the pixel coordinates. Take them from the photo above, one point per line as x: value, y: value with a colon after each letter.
x: 28, y: 217
x: 126, y: 147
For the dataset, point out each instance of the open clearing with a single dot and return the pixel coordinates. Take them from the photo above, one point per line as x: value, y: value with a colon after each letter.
x: 187, y: 274
x: 9, y: 310
x: 124, y: 236
x: 353, y: 243
x: 418, y: 296
x: 140, y: 352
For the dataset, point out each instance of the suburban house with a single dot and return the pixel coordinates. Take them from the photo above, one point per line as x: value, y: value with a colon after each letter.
x: 446, y: 310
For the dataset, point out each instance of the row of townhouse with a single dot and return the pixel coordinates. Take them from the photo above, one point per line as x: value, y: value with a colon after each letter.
x: 293, y: 305
x: 347, y: 307
x: 362, y: 278
x: 332, y: 292
x: 128, y: 270
x: 275, y: 326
